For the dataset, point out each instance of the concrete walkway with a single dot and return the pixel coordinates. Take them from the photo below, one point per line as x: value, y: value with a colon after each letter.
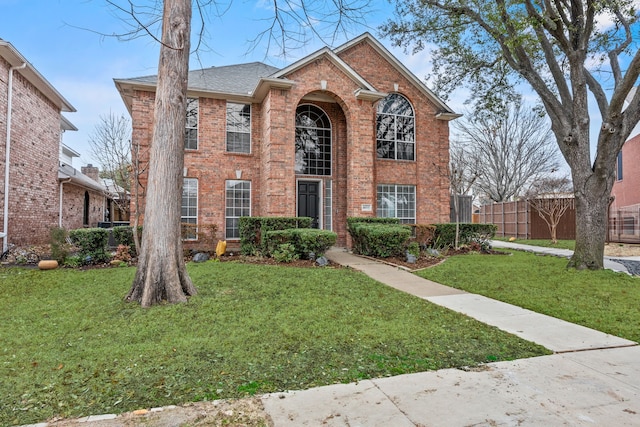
x: 593, y: 379
x: 566, y: 253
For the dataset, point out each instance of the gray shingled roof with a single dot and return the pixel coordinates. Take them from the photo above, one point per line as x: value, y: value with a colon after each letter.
x: 238, y: 79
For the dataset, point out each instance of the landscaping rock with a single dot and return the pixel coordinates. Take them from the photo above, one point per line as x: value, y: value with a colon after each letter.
x: 433, y: 252
x: 201, y: 257
x: 322, y: 261
x: 411, y: 259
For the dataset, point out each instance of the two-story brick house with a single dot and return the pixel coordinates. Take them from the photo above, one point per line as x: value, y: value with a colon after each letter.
x: 38, y: 190
x: 342, y: 132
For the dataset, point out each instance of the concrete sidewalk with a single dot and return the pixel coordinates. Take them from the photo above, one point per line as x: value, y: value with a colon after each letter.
x: 593, y: 379
x: 566, y: 253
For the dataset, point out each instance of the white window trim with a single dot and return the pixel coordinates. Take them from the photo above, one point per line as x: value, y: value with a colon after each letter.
x: 226, y: 205
x: 197, y: 207
x: 197, y: 128
x: 395, y: 186
x: 395, y: 142
x: 226, y: 128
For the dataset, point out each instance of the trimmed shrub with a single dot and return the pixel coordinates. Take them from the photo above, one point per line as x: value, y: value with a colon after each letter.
x: 286, y: 252
x: 249, y: 227
x: 424, y: 234
x: 379, y: 240
x: 92, y: 243
x: 360, y: 246
x: 304, y: 240
x: 123, y: 235
x: 59, y: 247
x: 311, y: 240
x: 272, y: 240
x: 445, y: 234
x: 253, y: 228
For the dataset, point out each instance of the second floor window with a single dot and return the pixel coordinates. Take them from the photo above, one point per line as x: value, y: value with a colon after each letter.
x: 238, y: 128
x: 191, y: 128
x: 395, y: 128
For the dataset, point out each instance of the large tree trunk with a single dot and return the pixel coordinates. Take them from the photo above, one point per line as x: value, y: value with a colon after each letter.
x: 591, y: 229
x: 592, y: 190
x: 161, y: 274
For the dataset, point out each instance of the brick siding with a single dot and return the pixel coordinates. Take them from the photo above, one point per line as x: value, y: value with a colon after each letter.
x: 271, y: 165
x: 33, y: 181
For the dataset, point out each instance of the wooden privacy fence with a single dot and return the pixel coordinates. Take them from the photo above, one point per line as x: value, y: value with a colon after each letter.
x: 520, y: 220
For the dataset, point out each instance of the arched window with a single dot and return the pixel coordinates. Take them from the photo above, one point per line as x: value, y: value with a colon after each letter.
x: 395, y: 128
x: 85, y: 210
x: 313, y: 141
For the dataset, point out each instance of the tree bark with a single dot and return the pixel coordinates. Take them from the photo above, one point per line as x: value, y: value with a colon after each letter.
x: 591, y: 231
x: 161, y: 274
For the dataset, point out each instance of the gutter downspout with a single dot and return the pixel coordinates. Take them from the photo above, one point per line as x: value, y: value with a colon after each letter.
x: 7, y: 159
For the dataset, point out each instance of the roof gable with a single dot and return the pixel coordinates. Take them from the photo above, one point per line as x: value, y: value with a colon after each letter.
x: 327, y: 53
x: 445, y: 111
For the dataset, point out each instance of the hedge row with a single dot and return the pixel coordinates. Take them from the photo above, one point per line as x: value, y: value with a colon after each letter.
x: 445, y: 234
x: 309, y: 243
x: 252, y: 228
x: 385, y: 237
x: 92, y: 244
x: 378, y: 237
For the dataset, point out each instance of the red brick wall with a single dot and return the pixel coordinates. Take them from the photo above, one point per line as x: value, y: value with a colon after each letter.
x: 33, y: 182
x: 627, y: 190
x: 429, y: 171
x: 270, y: 166
x: 73, y: 207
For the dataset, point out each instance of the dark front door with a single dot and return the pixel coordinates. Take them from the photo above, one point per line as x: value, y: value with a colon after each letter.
x: 309, y: 201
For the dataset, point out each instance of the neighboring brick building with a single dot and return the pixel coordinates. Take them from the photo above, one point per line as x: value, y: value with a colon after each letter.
x: 624, y: 212
x: 33, y: 108
x: 343, y: 132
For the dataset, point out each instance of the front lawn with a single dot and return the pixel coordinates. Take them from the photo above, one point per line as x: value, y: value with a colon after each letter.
x: 602, y: 300
x: 70, y: 346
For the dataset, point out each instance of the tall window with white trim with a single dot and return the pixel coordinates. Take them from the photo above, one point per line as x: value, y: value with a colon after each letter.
x: 191, y: 127
x: 395, y: 128
x: 313, y: 141
x: 238, y: 128
x: 189, y: 212
x: 397, y: 201
x: 238, y: 204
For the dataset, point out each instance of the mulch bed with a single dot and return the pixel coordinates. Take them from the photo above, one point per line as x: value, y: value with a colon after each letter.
x: 422, y: 262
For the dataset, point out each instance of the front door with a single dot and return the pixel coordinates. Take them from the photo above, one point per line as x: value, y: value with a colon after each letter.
x: 309, y: 201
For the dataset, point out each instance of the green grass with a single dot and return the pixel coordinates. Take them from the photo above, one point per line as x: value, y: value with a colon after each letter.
x: 602, y: 300
x: 562, y: 244
x: 70, y: 346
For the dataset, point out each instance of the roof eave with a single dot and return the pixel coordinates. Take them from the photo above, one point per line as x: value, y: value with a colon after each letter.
x: 447, y: 116
x: 267, y: 83
x: 369, y: 95
x: 15, y: 59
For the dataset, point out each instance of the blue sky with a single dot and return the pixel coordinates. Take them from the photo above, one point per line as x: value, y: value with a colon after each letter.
x: 60, y: 39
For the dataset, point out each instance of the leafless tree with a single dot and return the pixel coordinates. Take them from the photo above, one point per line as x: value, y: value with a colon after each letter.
x: 110, y: 145
x: 463, y: 173
x: 506, y: 150
x: 551, y: 197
